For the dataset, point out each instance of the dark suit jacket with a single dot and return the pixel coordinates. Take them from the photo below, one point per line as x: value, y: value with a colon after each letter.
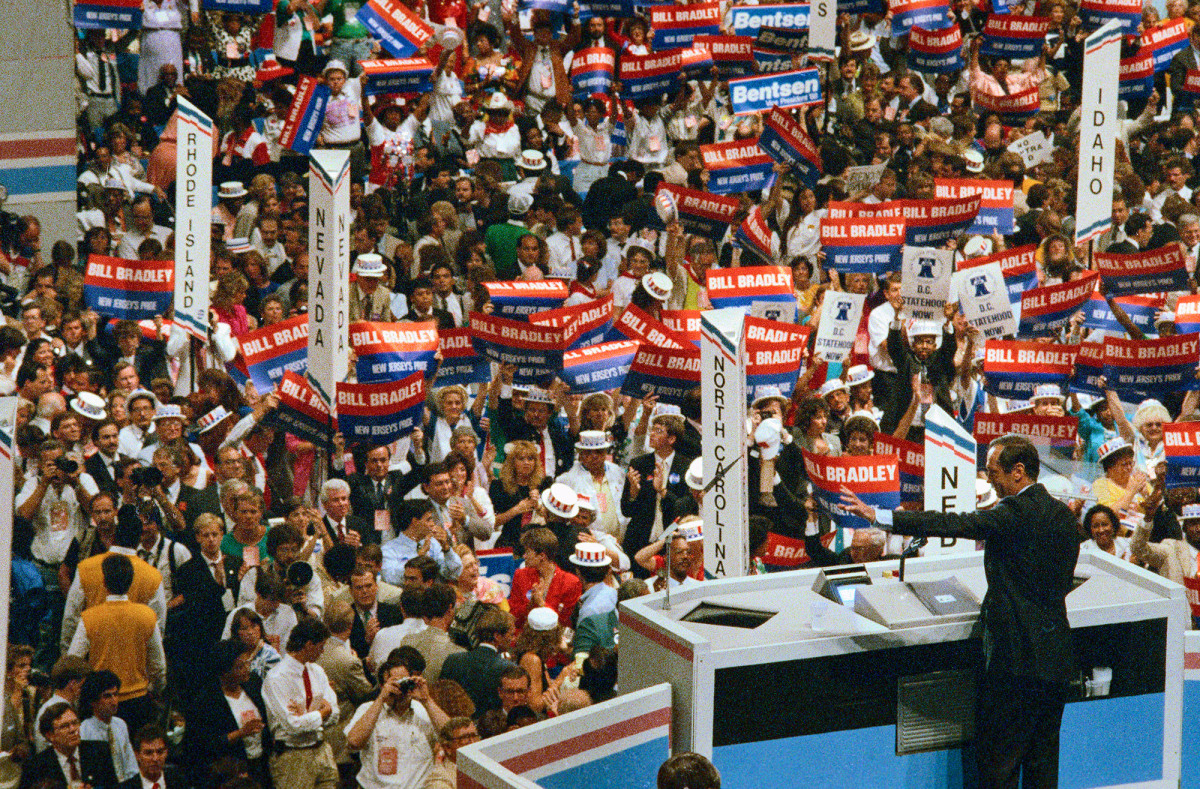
x: 478, y: 671
x: 1123, y: 248
x: 95, y: 767
x: 388, y: 615
x: 1032, y: 546
x: 444, y: 319
x: 194, y: 626
x: 94, y: 465
x: 365, y: 526
x: 641, y: 510
x: 209, y: 722
x: 170, y: 779
x: 1184, y: 60
x: 516, y: 428
x: 194, y: 501
x: 364, y: 499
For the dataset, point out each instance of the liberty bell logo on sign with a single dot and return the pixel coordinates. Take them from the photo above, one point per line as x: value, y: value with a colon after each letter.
x: 981, y: 288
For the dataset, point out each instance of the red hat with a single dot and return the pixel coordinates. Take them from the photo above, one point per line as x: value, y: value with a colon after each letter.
x: 270, y: 70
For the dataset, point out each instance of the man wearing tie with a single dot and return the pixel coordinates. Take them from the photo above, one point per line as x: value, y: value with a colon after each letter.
x: 370, y: 300
x: 370, y: 493
x: 300, y: 704
x: 68, y: 761
x: 654, y: 482
x: 344, y: 528
x: 563, y: 245
x: 106, y: 436
x: 538, y: 425
x: 370, y: 615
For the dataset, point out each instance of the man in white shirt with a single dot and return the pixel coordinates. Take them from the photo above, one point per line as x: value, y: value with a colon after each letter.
x: 396, y: 733
x: 141, y: 215
x: 564, y: 245
x: 878, y: 325
x: 99, y: 694
x: 300, y: 703
x: 139, y: 432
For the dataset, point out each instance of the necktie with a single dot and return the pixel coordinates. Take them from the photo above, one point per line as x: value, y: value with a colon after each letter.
x: 574, y: 254
x: 379, y: 491
x: 542, y: 449
x: 307, y: 689
x: 73, y: 762
x: 366, y: 308
x: 154, y: 785
x: 216, y: 572
x: 102, y: 67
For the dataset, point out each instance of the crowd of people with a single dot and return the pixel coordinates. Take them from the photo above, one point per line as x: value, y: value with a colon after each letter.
x: 201, y: 598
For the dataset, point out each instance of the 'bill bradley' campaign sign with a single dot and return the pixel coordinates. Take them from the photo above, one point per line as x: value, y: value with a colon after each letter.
x: 132, y: 289
x: 380, y: 413
x: 271, y: 350
x: 1181, y: 444
x: 1014, y: 369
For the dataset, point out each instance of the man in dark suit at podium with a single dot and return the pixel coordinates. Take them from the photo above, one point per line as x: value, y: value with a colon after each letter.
x: 1032, y: 546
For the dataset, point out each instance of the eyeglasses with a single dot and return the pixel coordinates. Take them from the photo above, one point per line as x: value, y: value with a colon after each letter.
x: 467, y: 735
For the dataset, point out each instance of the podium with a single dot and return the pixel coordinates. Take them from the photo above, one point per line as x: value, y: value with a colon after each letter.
x: 788, y: 678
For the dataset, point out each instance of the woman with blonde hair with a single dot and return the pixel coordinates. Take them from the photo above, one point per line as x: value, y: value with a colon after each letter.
x: 471, y: 586
x: 515, y: 491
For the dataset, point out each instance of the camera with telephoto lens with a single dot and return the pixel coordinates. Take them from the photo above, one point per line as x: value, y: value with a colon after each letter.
x: 149, y: 475
x: 406, y: 685
x: 66, y: 465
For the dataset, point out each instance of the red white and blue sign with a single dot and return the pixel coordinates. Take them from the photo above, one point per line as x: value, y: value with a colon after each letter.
x: 772, y: 61
x: 995, y: 202
x: 1089, y: 369
x: 931, y: 223
x: 746, y: 20
x: 101, y: 14
x: 401, y: 31
x: 1095, y: 13
x: 1153, y: 271
x: 667, y: 373
x: 749, y: 95
x: 1139, y: 309
x: 774, y: 355
x: 1013, y: 108
x: 736, y: 166
x: 1014, y: 369
x: 396, y: 75
x: 519, y: 298
x: 1181, y: 447
x: 1165, y: 40
x: 598, y: 368
x: 1018, y: 265
x: 1137, y: 76
x: 732, y: 55
x: 302, y: 411
x: 873, y: 478
x: 685, y: 323
x: 1187, y: 314
x: 1049, y: 307
x: 1043, y: 431
x: 649, y: 76
x: 910, y: 460
x: 132, y: 289
x: 380, y: 413
x: 619, y: 9
x: 1014, y: 37
x: 702, y: 212
x: 272, y: 350
x: 637, y: 324
x: 390, y: 351
x: 754, y: 235
x: 590, y: 321
x: 786, y: 141
x: 678, y: 25
x: 1187, y: 95
x: 460, y: 364
x: 695, y: 61
x: 742, y: 287
x: 536, y: 350
x: 861, y: 7
x: 931, y: 14
x: 592, y: 71
x: 935, y: 51
x: 1165, y: 364
x: 863, y: 244
x: 553, y: 6
x: 305, y: 116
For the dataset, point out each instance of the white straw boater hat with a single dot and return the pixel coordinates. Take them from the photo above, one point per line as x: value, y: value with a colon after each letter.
x: 532, y: 160
x: 539, y: 395
x: 593, y: 439
x: 369, y: 264
x: 230, y: 190
x: 168, y: 411
x: 239, y: 246
x: 657, y: 284
x: 859, y: 374
x: 766, y: 393
x: 561, y: 500
x: 590, y: 554
x: 1047, y: 392
x: 89, y: 406
x: 210, y: 420
x: 1191, y: 512
x: 542, y: 619
x: 1111, y: 447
